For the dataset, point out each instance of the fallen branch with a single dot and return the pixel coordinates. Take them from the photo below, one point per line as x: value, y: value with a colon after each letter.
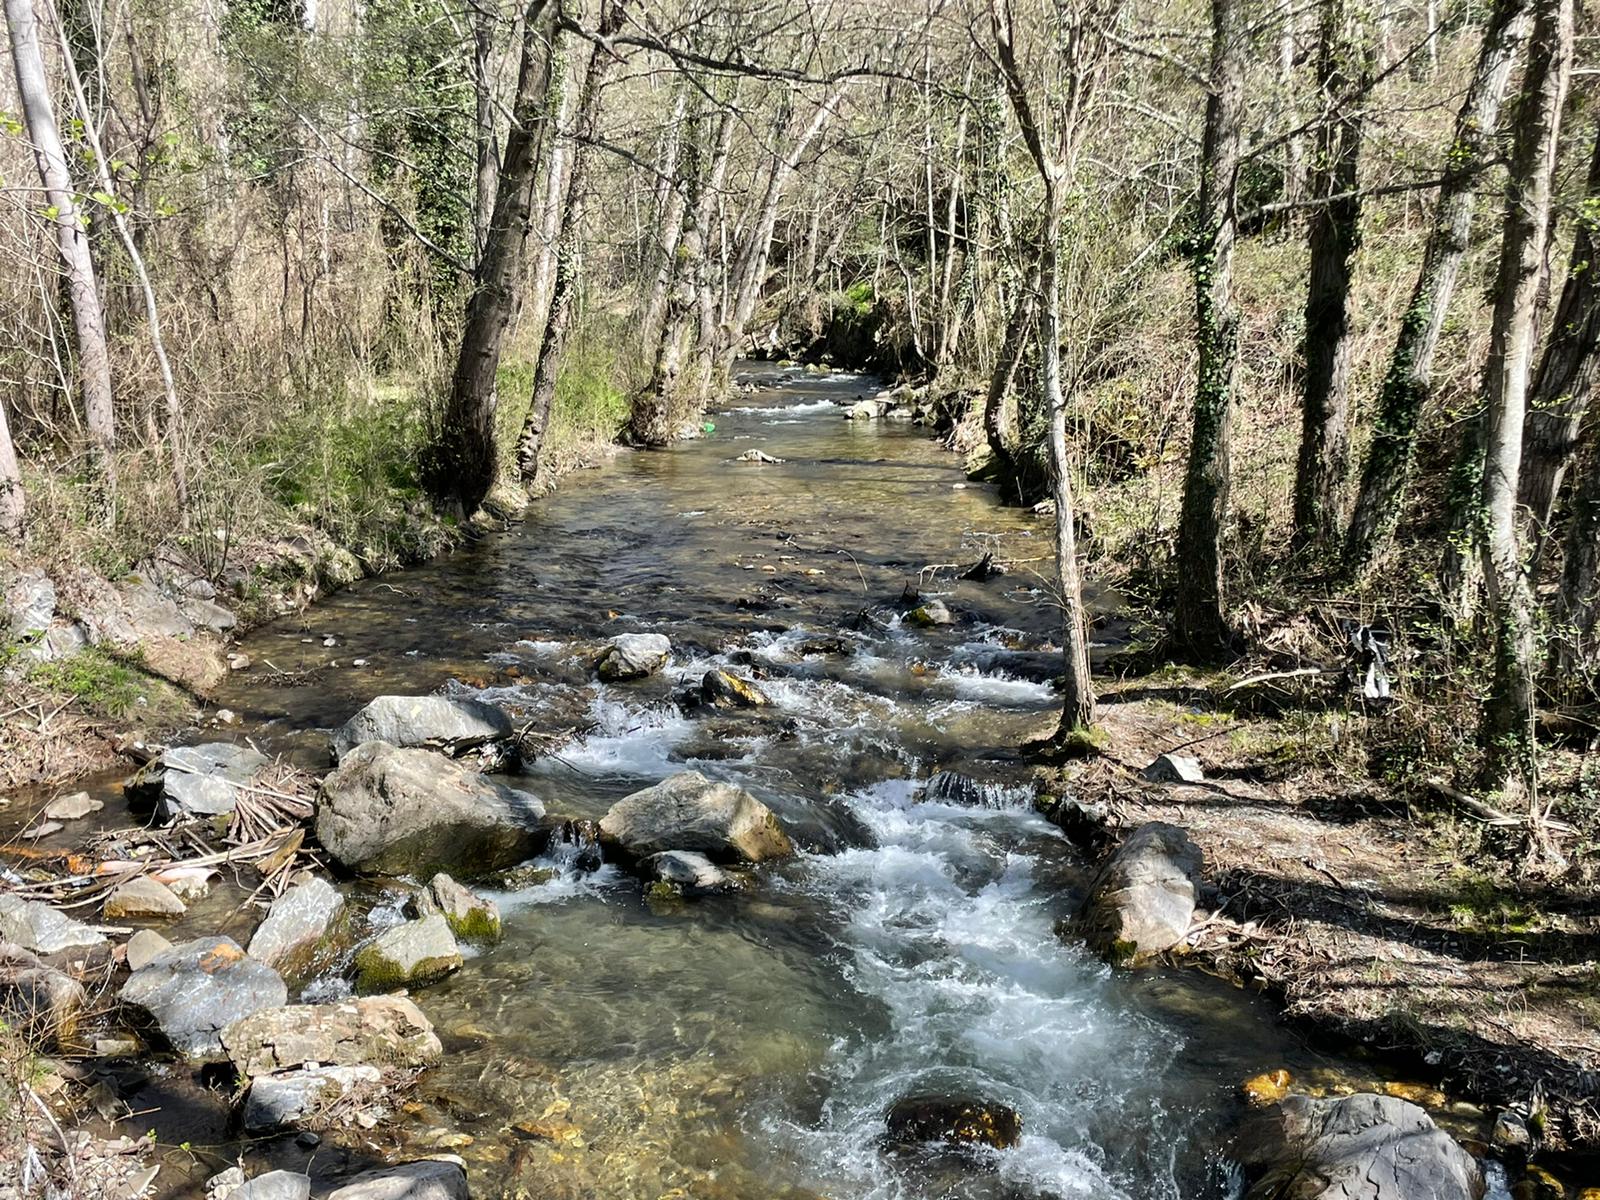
x: 1487, y: 813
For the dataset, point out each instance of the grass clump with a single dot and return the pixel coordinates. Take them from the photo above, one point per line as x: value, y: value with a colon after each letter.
x: 107, y: 686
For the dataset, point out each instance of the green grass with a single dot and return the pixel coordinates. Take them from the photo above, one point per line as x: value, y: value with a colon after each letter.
x: 108, y: 687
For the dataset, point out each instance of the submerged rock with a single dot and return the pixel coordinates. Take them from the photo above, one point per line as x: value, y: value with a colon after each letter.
x: 690, y: 812
x: 471, y: 917
x: 1268, y: 1088
x: 292, y: 1097
x: 407, y: 956
x: 429, y: 1179
x: 1142, y: 900
x: 376, y: 1030
x: 1361, y: 1147
x: 633, y: 656
x: 42, y: 1002
x: 73, y: 807
x: 143, y: 897
x: 688, y: 871
x: 195, y: 990
x: 725, y: 689
x: 391, y: 811
x: 41, y: 929
x: 299, y: 925
x: 428, y: 722
x: 952, y: 1121
x: 189, y: 781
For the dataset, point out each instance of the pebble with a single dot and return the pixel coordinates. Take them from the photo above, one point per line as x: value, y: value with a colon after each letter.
x: 238, y: 662
x: 226, y: 716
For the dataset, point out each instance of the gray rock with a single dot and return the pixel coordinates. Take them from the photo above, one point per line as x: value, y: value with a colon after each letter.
x: 931, y: 614
x: 727, y: 690
x: 390, y: 811
x: 195, y: 990
x: 1510, y: 1132
x: 407, y: 956
x: 62, y: 640
x: 687, y: 870
x: 869, y: 410
x: 1175, y: 768
x: 428, y: 722
x: 1361, y: 1147
x: 42, y: 830
x: 73, y: 807
x: 297, y: 927
x: 471, y: 917
x: 375, y: 1030
x: 278, y: 1101
x: 223, y: 1184
x: 41, y: 929
x: 140, y: 898
x: 150, y: 611
x: 274, y: 1185
x: 188, y: 781
x: 1142, y: 899
x: 633, y: 656
x: 42, y: 1002
x: 145, y: 945
x: 429, y: 1179
x: 690, y: 812
x: 27, y: 602
x: 205, y: 613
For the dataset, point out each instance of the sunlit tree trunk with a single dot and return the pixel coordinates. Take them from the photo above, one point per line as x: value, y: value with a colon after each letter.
x: 1200, y: 627
x: 669, y: 210
x: 488, y: 167
x: 1408, y: 383
x: 1574, y: 649
x: 71, y: 228
x: 13, y: 507
x: 947, y: 308
x: 553, y: 200
x: 999, y: 406
x: 1508, y: 717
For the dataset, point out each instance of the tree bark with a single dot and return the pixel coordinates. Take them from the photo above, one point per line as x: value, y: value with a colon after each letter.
x: 669, y: 211
x: 488, y: 167
x: 563, y: 296
x: 1508, y: 716
x: 1334, y: 237
x: 465, y: 455
x: 557, y: 161
x: 946, y: 312
x: 1200, y: 628
x: 1000, y: 427
x: 72, y: 235
x: 1386, y: 469
x: 1574, y: 649
x: 13, y: 504
x: 1565, y: 379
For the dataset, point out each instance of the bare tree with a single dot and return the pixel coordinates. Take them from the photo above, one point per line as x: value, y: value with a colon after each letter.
x: 13, y: 507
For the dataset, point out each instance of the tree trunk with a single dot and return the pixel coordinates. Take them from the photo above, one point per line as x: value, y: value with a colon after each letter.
x: 669, y: 209
x: 465, y: 456
x: 1408, y: 383
x: 1561, y: 389
x: 557, y: 160
x: 13, y: 507
x: 946, y: 310
x: 1334, y: 237
x: 1000, y: 426
x: 1574, y: 650
x: 483, y: 19
x: 1508, y: 716
x: 72, y: 236
x: 1200, y: 629
x: 563, y: 296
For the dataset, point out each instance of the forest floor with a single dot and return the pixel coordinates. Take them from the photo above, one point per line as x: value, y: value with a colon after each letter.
x: 1371, y: 913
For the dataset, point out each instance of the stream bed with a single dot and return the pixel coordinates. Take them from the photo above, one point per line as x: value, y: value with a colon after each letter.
x: 747, y: 1046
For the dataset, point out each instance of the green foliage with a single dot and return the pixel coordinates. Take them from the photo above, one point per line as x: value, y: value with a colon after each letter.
x: 106, y: 686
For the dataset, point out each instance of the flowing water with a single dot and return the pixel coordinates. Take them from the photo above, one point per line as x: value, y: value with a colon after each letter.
x: 748, y: 1045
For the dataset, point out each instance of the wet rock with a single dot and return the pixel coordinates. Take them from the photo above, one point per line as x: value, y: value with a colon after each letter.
x: 274, y: 1185
x: 142, y: 898
x: 1268, y: 1088
x: 73, y: 807
x: 950, y: 787
x: 1538, y: 1184
x: 758, y: 456
x: 827, y: 646
x: 145, y: 945
x: 471, y: 917
x: 1175, y: 768
x: 633, y: 656
x: 1511, y: 1132
x: 41, y: 929
x: 1360, y: 1147
x: 1087, y: 826
x: 931, y: 614
x: 408, y: 956
x: 391, y: 811
x: 293, y: 1097
x: 428, y: 722
x: 27, y: 602
x: 42, y: 1002
x: 195, y: 990
x: 690, y: 812
x: 1142, y: 900
x: 952, y: 1121
x: 190, y: 781
x: 727, y: 690
x: 578, y: 841
x: 874, y: 409
x: 429, y: 1179
x: 299, y: 926
x: 371, y: 1030
x: 42, y: 830
x: 687, y: 871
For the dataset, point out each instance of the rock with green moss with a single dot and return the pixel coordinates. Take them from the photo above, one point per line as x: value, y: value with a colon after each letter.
x: 726, y: 690
x: 301, y: 929
x: 471, y: 917
x: 408, y: 956
x: 930, y: 615
x: 690, y: 812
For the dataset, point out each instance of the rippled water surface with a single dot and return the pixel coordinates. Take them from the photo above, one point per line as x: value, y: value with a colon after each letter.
x: 748, y: 1045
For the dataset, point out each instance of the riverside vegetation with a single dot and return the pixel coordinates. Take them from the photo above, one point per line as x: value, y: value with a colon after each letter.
x: 1241, y: 616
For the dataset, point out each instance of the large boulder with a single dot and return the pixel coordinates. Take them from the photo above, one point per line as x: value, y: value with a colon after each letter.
x: 471, y: 917
x: 390, y: 811
x: 376, y: 1030
x: 690, y: 812
x: 41, y: 929
x: 1362, y: 1147
x: 427, y: 722
x: 27, y: 602
x: 299, y: 927
x: 428, y: 1179
x: 293, y: 1097
x: 195, y: 781
x: 44, y: 1003
x: 951, y: 1122
x: 195, y: 990
x: 633, y: 656
x: 1142, y: 899
x: 411, y: 955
